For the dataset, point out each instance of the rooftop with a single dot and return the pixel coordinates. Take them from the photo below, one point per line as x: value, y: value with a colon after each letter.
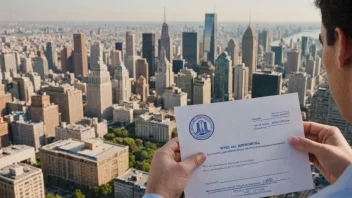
x: 135, y: 176
x: 12, y: 150
x: 18, y: 171
x: 99, y: 148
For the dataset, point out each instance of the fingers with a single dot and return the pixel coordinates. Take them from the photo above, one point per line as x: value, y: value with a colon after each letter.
x: 177, y: 157
x: 173, y: 144
x: 193, y: 162
x: 307, y: 145
x: 313, y: 128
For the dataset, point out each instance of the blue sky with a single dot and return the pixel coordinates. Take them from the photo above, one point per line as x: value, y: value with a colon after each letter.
x: 152, y: 10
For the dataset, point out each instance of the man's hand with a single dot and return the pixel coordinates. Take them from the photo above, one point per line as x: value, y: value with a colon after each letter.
x: 168, y: 176
x: 328, y: 149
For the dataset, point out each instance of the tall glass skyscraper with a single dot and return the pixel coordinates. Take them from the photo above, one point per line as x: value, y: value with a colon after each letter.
x: 223, y: 78
x: 210, y: 36
x: 190, y: 49
x: 304, y: 45
x: 148, y: 51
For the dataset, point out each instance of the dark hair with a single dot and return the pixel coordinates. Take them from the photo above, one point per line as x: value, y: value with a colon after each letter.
x: 336, y: 14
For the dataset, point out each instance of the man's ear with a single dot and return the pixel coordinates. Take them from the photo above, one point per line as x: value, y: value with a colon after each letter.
x: 344, y: 48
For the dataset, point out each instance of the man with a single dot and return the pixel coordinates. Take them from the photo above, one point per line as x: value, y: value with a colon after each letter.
x: 328, y: 150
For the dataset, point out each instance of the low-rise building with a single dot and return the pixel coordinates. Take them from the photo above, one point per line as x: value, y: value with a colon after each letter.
x: 90, y: 163
x: 16, y: 154
x: 174, y: 97
x: 156, y: 127
x: 132, y: 184
x: 74, y: 131
x: 123, y: 114
x: 21, y: 180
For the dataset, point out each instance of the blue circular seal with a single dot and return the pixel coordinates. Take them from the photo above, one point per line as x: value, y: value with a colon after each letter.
x: 201, y: 127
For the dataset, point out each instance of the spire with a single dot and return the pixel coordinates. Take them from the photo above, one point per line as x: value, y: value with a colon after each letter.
x: 250, y: 17
x: 164, y: 14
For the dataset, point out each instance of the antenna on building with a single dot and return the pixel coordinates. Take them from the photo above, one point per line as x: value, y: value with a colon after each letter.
x: 164, y: 14
x: 250, y: 17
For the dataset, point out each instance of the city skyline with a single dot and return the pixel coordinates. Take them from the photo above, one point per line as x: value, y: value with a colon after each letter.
x: 143, y: 11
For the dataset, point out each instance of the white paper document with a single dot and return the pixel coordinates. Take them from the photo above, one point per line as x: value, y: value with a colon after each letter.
x: 247, y: 148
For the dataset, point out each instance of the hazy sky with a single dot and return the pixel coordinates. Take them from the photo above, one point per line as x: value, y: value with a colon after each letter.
x: 152, y: 10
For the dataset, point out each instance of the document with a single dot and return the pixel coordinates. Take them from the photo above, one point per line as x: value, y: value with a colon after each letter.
x: 247, y: 148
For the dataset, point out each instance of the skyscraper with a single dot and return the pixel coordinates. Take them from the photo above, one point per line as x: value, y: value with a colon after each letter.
x: 142, y: 69
x: 174, y: 97
x: 202, y: 90
x: 313, y: 50
x: 80, y: 55
x: 265, y: 39
x: 166, y: 41
x: 207, y: 68
x: 123, y: 88
x: 210, y: 36
x: 164, y: 76
x: 130, y: 55
x: 293, y: 62
x: 41, y: 66
x: 8, y: 62
x: 317, y: 66
x: 149, y: 51
x: 232, y: 49
x: 298, y: 83
x: 4, y: 133
x: 223, y: 78
x: 142, y: 88
x: 266, y: 84
x: 304, y: 45
x: 240, y: 82
x: 51, y: 56
x: 185, y: 79
x: 99, y: 92
x: 67, y: 59
x: 310, y: 68
x: 4, y: 98
x: 249, y: 52
x: 26, y: 65
x: 279, y: 54
x: 119, y: 46
x: 177, y: 65
x: 190, y: 49
x: 96, y: 52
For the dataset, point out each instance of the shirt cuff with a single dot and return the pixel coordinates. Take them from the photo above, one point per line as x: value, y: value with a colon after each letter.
x: 152, y: 196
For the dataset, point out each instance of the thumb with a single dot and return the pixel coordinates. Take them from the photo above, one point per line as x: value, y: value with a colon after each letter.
x: 306, y: 145
x: 193, y: 162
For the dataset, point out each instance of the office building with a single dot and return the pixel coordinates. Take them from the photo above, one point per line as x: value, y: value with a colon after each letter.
x: 80, y: 55
x: 184, y: 80
x: 164, y: 76
x: 41, y: 66
x: 21, y: 180
x: 123, y: 115
x: 269, y: 58
x: 22, y: 88
x: 313, y: 50
x: 298, y: 84
x: 17, y: 154
x: 35, y: 79
x: 240, y: 82
x: 96, y: 52
x: 265, y: 40
x: 325, y: 111
x: 8, y: 62
x: 174, y: 97
x: 223, y: 78
x: 305, y: 49
x: 26, y: 65
x: 67, y: 59
x: 69, y: 100
x: 166, y: 42
x: 266, y: 84
x: 123, y: 88
x: 293, y: 62
x: 310, y: 68
x: 4, y: 98
x: 74, y: 131
x: 119, y: 47
x: 51, y: 56
x: 101, y: 128
x: 190, y: 49
x: 177, y: 65
x: 279, y: 54
x: 249, y: 49
x: 142, y: 68
x: 27, y: 132
x: 148, y: 51
x: 42, y: 110
x: 130, y: 59
x: 210, y: 37
x: 207, y: 68
x: 233, y: 51
x: 142, y: 88
x: 90, y: 163
x: 99, y: 92
x: 202, y: 90
x: 155, y: 127
x: 4, y: 133
x: 132, y: 184
x: 317, y: 66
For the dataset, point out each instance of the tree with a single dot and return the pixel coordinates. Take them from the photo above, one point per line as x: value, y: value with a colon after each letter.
x: 139, y: 142
x: 131, y: 143
x: 78, y: 194
x: 151, y: 145
x: 144, y: 166
x: 37, y: 159
x: 116, y: 131
x: 105, y: 189
x: 52, y: 196
x: 174, y: 133
x: 109, y: 136
x: 142, y: 155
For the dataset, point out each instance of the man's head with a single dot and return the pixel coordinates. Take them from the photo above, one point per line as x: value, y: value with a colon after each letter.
x: 336, y: 37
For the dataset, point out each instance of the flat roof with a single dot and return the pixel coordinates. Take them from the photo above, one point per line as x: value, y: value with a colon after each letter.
x: 12, y: 150
x: 28, y: 170
x: 137, y: 177
x: 77, y: 148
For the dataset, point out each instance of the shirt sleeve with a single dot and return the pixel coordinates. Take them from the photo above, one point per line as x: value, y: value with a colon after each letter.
x: 152, y: 196
x: 342, y: 187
